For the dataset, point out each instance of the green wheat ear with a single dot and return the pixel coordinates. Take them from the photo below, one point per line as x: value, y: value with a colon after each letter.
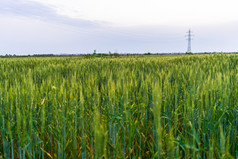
x: 100, y: 135
x: 157, y: 101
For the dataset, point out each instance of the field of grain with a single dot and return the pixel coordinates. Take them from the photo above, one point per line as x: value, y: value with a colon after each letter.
x: 179, y: 106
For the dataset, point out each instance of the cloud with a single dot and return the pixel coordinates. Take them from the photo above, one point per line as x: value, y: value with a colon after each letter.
x: 40, y: 11
x: 31, y: 27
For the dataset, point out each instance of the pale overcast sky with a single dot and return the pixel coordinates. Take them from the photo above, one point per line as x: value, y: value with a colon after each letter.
x: 124, y: 26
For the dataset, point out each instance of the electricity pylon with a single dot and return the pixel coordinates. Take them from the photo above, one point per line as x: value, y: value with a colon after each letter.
x: 189, y: 35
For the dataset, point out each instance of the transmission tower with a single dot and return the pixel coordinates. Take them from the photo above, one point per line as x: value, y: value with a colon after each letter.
x: 189, y: 35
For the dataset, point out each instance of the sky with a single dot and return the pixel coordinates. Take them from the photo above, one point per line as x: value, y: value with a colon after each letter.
x: 122, y: 26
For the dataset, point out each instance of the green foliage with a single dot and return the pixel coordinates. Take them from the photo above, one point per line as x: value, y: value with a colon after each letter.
x: 116, y: 55
x: 131, y: 107
x: 148, y: 53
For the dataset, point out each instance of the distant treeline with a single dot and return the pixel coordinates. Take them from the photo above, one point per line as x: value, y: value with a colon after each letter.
x: 95, y: 54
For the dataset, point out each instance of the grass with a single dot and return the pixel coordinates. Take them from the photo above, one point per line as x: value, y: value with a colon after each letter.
x: 135, y: 107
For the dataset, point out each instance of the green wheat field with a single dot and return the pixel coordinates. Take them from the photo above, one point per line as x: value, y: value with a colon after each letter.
x: 172, y: 106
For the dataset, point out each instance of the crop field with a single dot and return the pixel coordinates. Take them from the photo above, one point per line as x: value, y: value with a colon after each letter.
x: 175, y: 106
